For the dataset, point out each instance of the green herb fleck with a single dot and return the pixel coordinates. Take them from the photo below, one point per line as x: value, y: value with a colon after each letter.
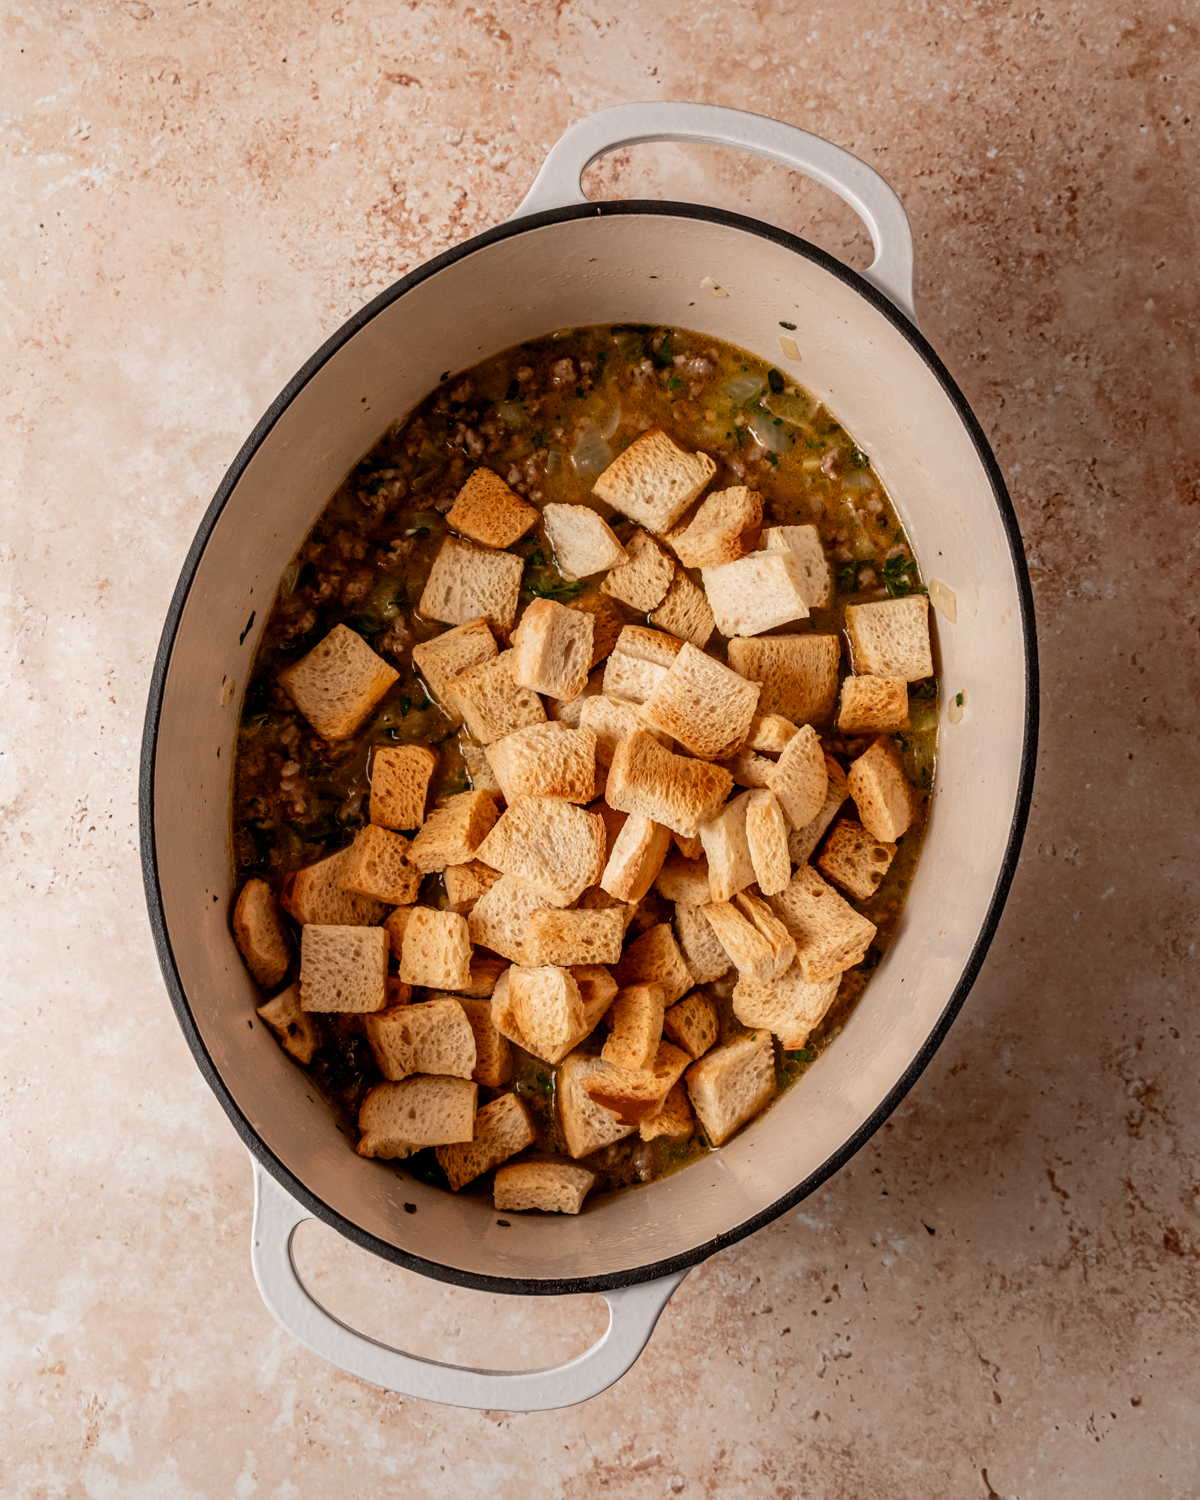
x: 662, y: 357
x: 778, y: 421
x: 847, y: 578
x: 445, y: 375
x: 560, y: 590
x: 539, y: 438
x: 579, y: 392
x: 899, y: 577
x: 802, y: 1055
x: 773, y: 460
x: 958, y: 698
x: 791, y: 327
x: 857, y: 459
x: 674, y: 383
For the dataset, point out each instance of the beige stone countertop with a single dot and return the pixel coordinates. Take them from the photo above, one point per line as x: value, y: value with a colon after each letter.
x: 998, y: 1295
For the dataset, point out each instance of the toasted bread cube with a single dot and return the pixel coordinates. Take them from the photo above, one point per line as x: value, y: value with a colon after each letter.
x: 891, y: 638
x: 491, y: 702
x: 633, y: 1094
x: 636, y: 858
x: 397, y: 1119
x: 552, y: 649
x: 400, y: 783
x: 802, y: 841
x: 750, y: 952
x: 493, y: 1053
x: 672, y: 789
x: 607, y: 623
x: 690, y: 847
x: 800, y: 778
x: 502, y: 1128
x: 485, y: 973
x: 583, y: 544
x: 548, y: 1009
x: 314, y: 896
x: 503, y: 1016
x: 260, y: 934
x: 297, y: 1032
x: 643, y: 578
x: 499, y: 920
x: 465, y: 884
x: 545, y: 760
x: 436, y: 950
x: 454, y: 831
x: 636, y: 1020
x: 587, y: 1127
x: 706, y: 959
x: 684, y: 881
x: 767, y: 837
x: 726, y: 527
x: 398, y: 993
x: 446, y: 655
x: 675, y: 1120
x: 873, y: 705
x: 394, y: 926
x: 574, y: 937
x: 552, y: 845
x: 769, y: 734
x: 379, y: 866
x: 468, y: 581
x: 730, y: 1084
x: 768, y: 926
x: 338, y: 683
x: 804, y: 543
x: 654, y: 480
x: 487, y: 511
x: 597, y: 989
x: 649, y: 645
x: 343, y: 968
x: 830, y: 935
x: 756, y: 593
x: 882, y: 792
x: 553, y: 1187
x: 727, y: 849
x: 692, y: 1024
x: 435, y: 1037
x: 483, y: 778
x: 798, y: 673
x: 569, y: 711
x: 685, y: 612
x: 631, y: 679
x: 748, y: 769
x: 654, y: 958
x: 703, y: 705
x: 855, y: 859
x: 610, y: 720
x: 789, y: 1005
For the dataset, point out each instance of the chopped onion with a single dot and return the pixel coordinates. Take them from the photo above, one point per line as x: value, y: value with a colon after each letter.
x: 513, y: 413
x: 610, y: 426
x: 796, y: 409
x: 860, y: 479
x: 591, y: 455
x: 743, y: 388
x: 554, y: 461
x: 291, y: 576
x: 773, y: 439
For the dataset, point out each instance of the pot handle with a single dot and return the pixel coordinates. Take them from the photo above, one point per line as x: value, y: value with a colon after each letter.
x: 558, y: 182
x: 633, y: 1312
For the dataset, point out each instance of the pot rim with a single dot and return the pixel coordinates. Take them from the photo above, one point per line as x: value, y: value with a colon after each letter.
x: 559, y: 1286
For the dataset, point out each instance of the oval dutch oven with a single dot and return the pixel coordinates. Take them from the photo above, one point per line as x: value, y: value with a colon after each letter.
x: 563, y: 261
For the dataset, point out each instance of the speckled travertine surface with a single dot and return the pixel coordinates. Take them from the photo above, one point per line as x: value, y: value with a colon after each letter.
x: 997, y: 1297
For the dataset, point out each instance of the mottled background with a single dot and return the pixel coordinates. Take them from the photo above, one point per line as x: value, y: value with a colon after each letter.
x: 997, y: 1297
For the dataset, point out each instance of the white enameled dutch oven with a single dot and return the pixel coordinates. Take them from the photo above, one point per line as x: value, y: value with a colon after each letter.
x: 562, y: 261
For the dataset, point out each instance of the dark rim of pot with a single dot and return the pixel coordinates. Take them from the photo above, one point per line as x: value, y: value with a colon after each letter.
x: 633, y: 1275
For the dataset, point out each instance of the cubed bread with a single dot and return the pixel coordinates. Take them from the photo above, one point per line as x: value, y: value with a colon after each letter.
x: 436, y: 950
x: 668, y: 788
x: 727, y: 850
x: 465, y: 884
x: 552, y: 649
x: 800, y: 778
x: 499, y: 920
x: 855, y: 859
x: 297, y: 1032
x: 315, y: 895
x: 547, y: 760
x: 683, y: 880
x: 690, y: 847
x: 748, y: 950
x: 636, y: 1022
x: 756, y: 593
x: 804, y: 543
x: 685, y: 611
x: 891, y: 638
x: 338, y: 683
x: 586, y: 1126
x: 583, y: 544
x: 654, y: 958
x: 397, y: 1119
x: 830, y: 935
x: 692, y: 1024
x: 654, y: 480
x: 769, y: 927
x: 453, y: 832
x: 630, y: 1095
x: 485, y: 973
x: 260, y: 934
x: 802, y: 841
x: 790, y: 1006
x: 503, y: 1016
x: 702, y: 704
x: 435, y: 1037
x: 574, y: 937
x: 610, y: 720
x: 643, y: 578
x: 493, y: 1052
x: 570, y: 711
x: 597, y: 990
x: 767, y: 837
x: 400, y: 776
x: 394, y: 926
x: 726, y: 527
x: 482, y: 777
x: 631, y: 679
x: 553, y: 1187
x: 502, y: 1128
x: 466, y: 582
x: 881, y: 791
x: 343, y: 968
x: 674, y: 1121
x: 769, y: 734
x: 378, y: 865
x: 487, y: 511
x: 873, y: 705
x: 701, y: 948
x: 607, y: 622
x: 548, y: 1009
x: 446, y: 655
x: 748, y: 769
x: 798, y: 674
x: 491, y: 702
x: 730, y: 1084
x: 636, y: 858
x: 551, y: 845
x: 649, y: 645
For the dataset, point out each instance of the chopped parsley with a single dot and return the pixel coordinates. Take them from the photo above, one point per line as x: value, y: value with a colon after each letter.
x: 791, y: 327
x: 900, y: 577
x: 847, y: 578
x: 662, y: 355
x: 674, y: 383
x: 958, y: 698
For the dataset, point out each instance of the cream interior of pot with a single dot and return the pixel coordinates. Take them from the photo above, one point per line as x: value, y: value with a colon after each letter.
x: 642, y: 268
